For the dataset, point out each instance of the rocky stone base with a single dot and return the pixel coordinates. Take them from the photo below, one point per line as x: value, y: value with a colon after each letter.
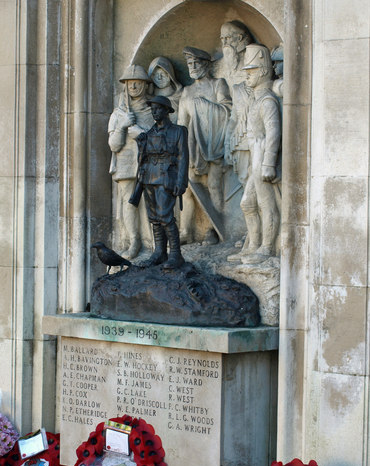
x: 264, y: 280
x: 184, y: 296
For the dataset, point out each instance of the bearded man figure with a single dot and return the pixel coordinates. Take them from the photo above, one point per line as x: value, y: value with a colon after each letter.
x: 235, y: 36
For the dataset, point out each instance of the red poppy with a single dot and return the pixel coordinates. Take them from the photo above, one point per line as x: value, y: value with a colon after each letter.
x: 155, y: 455
x: 152, y: 441
x: 126, y: 419
x: 146, y: 446
x: 295, y: 462
x: 81, y: 449
x: 99, y: 427
x: 139, y: 457
x: 135, y: 439
x: 144, y: 427
x: 89, y: 450
x: 92, y: 435
x: 99, y: 447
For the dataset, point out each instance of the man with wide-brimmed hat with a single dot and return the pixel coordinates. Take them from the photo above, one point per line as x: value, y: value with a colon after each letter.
x: 128, y: 120
x: 163, y: 173
x: 263, y: 131
x: 204, y: 109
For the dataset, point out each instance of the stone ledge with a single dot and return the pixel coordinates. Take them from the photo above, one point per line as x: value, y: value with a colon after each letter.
x: 219, y: 340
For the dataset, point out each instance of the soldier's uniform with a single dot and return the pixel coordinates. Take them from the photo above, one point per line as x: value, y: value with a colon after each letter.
x: 163, y: 174
x: 164, y: 165
x: 263, y: 136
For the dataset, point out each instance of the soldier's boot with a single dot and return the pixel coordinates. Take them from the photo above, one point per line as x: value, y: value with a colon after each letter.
x: 160, y: 247
x: 175, y: 258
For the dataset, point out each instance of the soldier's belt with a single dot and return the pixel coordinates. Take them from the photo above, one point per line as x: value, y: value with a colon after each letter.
x: 165, y: 157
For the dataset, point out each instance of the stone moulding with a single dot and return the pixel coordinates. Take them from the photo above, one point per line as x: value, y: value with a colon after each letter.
x: 222, y: 340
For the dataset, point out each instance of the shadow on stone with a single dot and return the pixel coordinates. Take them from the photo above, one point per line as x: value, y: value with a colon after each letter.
x: 184, y: 296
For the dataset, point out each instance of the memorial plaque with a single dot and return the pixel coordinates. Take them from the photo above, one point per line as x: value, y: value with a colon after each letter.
x: 177, y: 391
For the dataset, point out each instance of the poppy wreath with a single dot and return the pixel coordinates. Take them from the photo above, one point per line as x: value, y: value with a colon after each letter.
x: 295, y: 462
x: 13, y: 457
x: 146, y: 446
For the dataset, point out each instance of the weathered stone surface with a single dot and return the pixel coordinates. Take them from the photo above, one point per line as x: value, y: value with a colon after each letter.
x: 264, y: 279
x: 113, y: 379
x: 193, y: 398
x: 181, y: 296
x: 210, y: 339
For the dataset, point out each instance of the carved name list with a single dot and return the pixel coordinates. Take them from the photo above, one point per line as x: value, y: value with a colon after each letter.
x: 176, y: 391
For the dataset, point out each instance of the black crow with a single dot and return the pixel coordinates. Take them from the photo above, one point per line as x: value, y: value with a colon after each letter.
x: 109, y: 257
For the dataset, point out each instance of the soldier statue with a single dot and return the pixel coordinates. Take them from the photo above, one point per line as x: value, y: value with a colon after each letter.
x: 262, y: 121
x: 204, y: 109
x: 277, y: 57
x: 162, y: 176
x: 128, y: 120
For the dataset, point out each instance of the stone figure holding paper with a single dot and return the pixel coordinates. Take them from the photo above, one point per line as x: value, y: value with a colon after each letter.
x: 204, y: 109
x: 127, y: 121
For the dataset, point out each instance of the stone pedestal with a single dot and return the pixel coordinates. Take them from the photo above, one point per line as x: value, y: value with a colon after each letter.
x: 209, y: 393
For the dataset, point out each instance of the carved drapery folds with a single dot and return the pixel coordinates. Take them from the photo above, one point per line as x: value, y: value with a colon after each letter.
x: 232, y: 107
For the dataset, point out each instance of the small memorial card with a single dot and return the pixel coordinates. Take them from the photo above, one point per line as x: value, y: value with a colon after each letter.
x: 33, y: 443
x: 116, y: 437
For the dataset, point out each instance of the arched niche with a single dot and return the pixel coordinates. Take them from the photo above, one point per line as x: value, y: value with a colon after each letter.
x: 159, y: 29
x: 198, y: 23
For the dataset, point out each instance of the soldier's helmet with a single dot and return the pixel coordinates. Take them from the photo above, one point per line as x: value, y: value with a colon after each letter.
x: 161, y: 100
x: 134, y: 72
x: 277, y: 53
x: 277, y: 56
x: 257, y: 56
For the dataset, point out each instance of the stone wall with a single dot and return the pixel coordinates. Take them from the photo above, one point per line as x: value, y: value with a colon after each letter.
x: 324, y: 364
x: 28, y: 207
x: 60, y: 61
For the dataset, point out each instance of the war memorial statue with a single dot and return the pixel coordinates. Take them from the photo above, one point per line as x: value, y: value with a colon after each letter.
x: 204, y: 109
x: 235, y: 36
x: 212, y: 134
x: 277, y: 57
x: 163, y: 175
x: 162, y: 73
x: 175, y: 292
x: 127, y: 121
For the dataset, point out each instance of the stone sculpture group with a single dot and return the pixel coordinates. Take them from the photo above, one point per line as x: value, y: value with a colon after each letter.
x: 232, y: 113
